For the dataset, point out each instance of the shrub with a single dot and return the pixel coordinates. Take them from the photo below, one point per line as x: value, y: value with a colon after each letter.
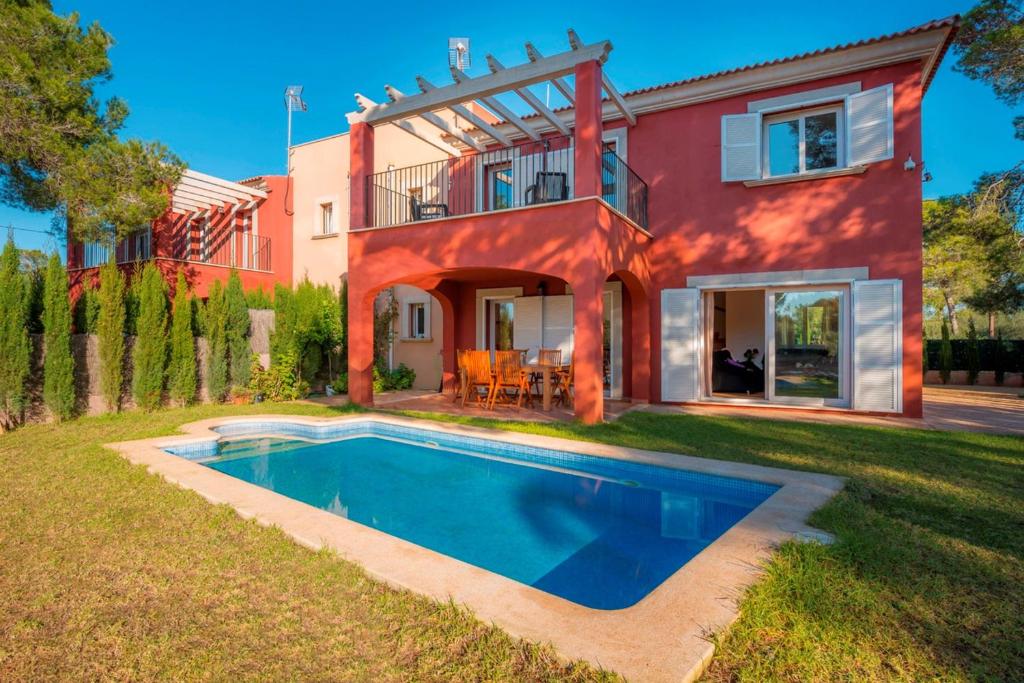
x: 182, y: 373
x: 14, y: 345
x: 257, y: 298
x: 400, y: 378
x: 945, y: 355
x: 58, y: 364
x: 237, y: 332
x: 282, y: 340
x: 343, y: 320
x: 999, y: 360
x: 149, y: 359
x: 280, y: 382
x: 87, y: 311
x: 384, y: 318
x: 307, y: 327
x: 110, y: 328
x: 215, y: 324
x: 36, y: 279
x: 132, y: 294
x: 973, y: 354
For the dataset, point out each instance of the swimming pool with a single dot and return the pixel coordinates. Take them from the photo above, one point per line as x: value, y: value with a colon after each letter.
x: 601, y: 533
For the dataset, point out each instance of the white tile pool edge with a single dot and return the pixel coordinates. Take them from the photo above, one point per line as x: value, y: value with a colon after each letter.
x: 662, y: 637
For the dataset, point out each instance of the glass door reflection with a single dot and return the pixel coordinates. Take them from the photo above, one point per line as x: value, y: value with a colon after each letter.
x: 808, y: 349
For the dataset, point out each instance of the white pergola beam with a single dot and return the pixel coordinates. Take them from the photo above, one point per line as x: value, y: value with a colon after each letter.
x: 461, y: 110
x: 531, y: 99
x: 514, y: 78
x: 613, y: 94
x: 188, y: 204
x: 209, y: 191
x: 413, y: 128
x: 200, y: 199
x: 560, y: 85
x: 433, y: 119
x: 501, y: 110
x: 237, y: 188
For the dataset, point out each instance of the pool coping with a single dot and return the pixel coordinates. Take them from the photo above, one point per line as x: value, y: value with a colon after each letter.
x: 665, y: 636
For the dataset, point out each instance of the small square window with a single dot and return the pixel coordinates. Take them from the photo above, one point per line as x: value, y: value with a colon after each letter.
x: 418, y: 321
x: 803, y: 142
x: 327, y: 218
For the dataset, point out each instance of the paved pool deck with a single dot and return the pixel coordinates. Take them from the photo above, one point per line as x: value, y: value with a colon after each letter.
x: 664, y: 637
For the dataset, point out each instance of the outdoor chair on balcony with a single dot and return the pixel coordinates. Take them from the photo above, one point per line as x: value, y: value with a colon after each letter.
x: 548, y: 187
x: 509, y: 375
x: 422, y: 211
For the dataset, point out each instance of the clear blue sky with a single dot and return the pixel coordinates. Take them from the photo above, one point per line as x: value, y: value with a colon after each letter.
x: 207, y: 78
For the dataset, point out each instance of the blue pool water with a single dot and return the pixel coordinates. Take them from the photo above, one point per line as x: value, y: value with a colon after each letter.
x: 597, y: 532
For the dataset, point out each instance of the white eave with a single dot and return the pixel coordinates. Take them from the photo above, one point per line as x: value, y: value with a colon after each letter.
x: 198, y: 193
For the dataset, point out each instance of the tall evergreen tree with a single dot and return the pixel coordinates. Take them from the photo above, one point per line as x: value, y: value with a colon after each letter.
x: 14, y: 345
x: 238, y: 332
x: 149, y: 359
x: 110, y: 330
x: 945, y: 355
x: 58, y: 364
x: 183, y: 349
x: 216, y: 339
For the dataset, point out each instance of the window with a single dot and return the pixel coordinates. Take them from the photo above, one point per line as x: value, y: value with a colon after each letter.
x: 418, y: 321
x: 95, y: 254
x: 803, y: 142
x: 327, y: 218
x: 499, y: 186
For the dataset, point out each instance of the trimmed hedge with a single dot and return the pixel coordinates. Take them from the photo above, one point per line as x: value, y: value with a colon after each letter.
x: 1014, y: 354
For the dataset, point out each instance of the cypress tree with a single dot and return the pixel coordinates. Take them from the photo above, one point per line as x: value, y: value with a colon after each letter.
x: 110, y: 329
x: 58, y: 364
x: 183, y: 351
x: 945, y: 355
x: 14, y: 346
x: 238, y: 332
x: 999, y: 359
x: 973, y: 353
x: 216, y: 338
x: 149, y: 359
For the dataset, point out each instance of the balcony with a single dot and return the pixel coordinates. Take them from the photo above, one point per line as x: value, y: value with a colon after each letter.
x: 515, y: 177
x: 230, y: 249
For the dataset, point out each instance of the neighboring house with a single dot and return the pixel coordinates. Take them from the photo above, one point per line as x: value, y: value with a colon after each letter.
x: 320, y: 204
x: 774, y: 207
x: 212, y: 226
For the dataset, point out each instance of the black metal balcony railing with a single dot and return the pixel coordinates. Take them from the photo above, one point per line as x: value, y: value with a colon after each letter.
x: 526, y: 174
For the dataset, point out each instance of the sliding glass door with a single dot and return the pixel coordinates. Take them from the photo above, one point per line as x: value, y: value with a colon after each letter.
x: 808, y: 350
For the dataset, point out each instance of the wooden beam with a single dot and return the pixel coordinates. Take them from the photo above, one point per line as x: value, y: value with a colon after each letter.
x: 531, y: 99
x: 237, y: 188
x: 413, y: 129
x: 560, y: 85
x: 433, y: 119
x: 465, y: 113
x: 485, y: 86
x: 613, y: 94
x: 199, y: 198
x: 208, y: 191
x: 501, y: 110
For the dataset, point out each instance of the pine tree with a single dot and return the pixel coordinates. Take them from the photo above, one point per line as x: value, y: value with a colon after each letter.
x: 182, y: 372
x: 58, y: 364
x: 216, y: 339
x: 945, y: 355
x: 238, y: 332
x: 14, y: 345
x: 110, y: 329
x: 149, y: 359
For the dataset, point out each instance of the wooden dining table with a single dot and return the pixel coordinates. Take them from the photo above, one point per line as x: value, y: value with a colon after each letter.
x: 547, y: 372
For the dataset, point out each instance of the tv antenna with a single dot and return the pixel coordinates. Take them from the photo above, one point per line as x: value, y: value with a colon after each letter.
x: 292, y: 102
x: 458, y: 53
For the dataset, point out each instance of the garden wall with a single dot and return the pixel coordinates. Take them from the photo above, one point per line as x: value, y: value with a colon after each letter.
x: 1012, y: 361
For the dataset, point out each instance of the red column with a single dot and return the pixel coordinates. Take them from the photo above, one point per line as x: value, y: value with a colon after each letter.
x: 587, y: 134
x: 588, y: 322
x: 360, y: 346
x: 360, y: 166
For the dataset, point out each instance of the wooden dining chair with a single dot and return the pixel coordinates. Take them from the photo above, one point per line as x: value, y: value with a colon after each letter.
x: 552, y: 357
x: 460, y: 375
x: 509, y: 374
x: 564, y: 385
x: 478, y: 375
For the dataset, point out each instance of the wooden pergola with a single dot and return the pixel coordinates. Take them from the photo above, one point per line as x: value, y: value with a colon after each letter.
x: 198, y: 195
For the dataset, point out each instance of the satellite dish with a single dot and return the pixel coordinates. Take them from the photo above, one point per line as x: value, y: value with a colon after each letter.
x: 458, y: 53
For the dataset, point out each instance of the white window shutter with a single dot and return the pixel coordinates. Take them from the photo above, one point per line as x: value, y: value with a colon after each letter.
x: 558, y: 324
x: 869, y: 129
x: 680, y: 343
x: 878, y: 345
x: 741, y: 147
x: 526, y: 330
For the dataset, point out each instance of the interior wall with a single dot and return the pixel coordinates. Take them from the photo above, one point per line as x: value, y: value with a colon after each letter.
x: 744, y: 323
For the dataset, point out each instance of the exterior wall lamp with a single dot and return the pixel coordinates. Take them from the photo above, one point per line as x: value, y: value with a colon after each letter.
x: 909, y: 164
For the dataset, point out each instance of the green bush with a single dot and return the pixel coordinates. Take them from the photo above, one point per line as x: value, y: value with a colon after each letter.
x: 58, y: 364
x: 14, y: 344
x: 215, y: 325
x: 132, y: 296
x: 257, y: 298
x: 973, y: 353
x: 340, y: 383
x: 945, y: 355
x: 237, y: 332
x: 999, y: 360
x: 36, y: 279
x: 149, y: 358
x: 307, y: 327
x: 400, y: 378
x: 182, y: 372
x: 87, y: 311
x: 279, y: 383
x: 110, y: 327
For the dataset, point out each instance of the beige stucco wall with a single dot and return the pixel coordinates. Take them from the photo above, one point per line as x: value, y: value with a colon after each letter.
x: 320, y: 174
x: 744, y: 322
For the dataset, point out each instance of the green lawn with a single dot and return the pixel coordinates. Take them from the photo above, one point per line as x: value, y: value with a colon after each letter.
x: 108, y: 572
